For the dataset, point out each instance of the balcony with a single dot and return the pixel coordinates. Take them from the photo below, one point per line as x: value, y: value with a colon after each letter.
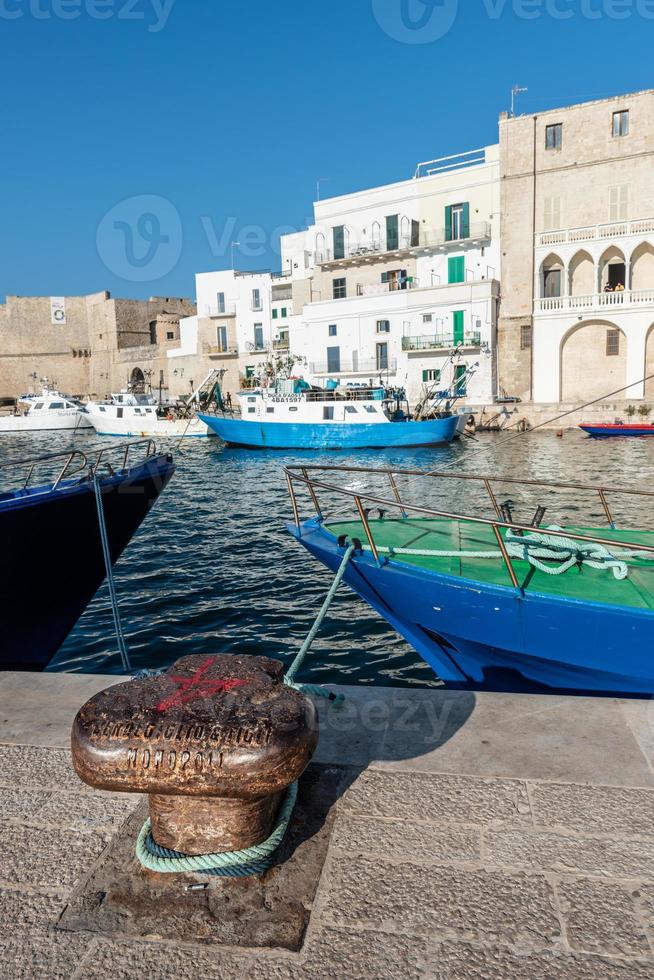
x: 595, y: 301
x: 213, y: 350
x: 367, y: 366
x: 592, y: 233
x: 376, y: 251
x: 281, y: 292
x: 228, y: 309
x: 470, y: 339
x: 281, y: 344
x: 379, y: 288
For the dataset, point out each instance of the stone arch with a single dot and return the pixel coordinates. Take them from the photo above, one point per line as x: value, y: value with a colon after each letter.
x: 137, y: 379
x: 593, y: 360
x: 581, y: 274
x: 642, y: 266
x: 612, y: 268
x: 649, y: 366
x: 552, y: 271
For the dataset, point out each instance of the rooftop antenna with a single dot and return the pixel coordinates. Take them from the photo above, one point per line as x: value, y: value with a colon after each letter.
x: 318, y: 181
x: 516, y: 90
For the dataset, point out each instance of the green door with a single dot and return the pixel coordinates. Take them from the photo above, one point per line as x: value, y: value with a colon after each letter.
x: 456, y: 269
x: 460, y: 381
x: 457, y: 318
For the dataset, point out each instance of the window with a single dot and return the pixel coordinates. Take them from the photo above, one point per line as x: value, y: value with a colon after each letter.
x: 38, y: 407
x: 554, y: 137
x: 431, y: 374
x: 456, y: 269
x: 338, y: 239
x: 370, y: 408
x: 251, y: 411
x: 382, y: 357
x: 350, y: 409
x: 220, y: 297
x: 327, y: 412
x: 170, y: 335
x: 333, y: 329
x: 612, y: 343
x: 252, y: 399
x: 460, y: 389
x: 427, y: 317
x: 396, y: 279
x: 383, y: 326
x: 619, y: 202
x: 552, y: 216
x: 457, y: 222
x: 258, y: 336
x: 333, y: 359
x: 256, y: 299
x: 102, y: 408
x: 339, y: 289
x: 221, y: 337
x: 525, y: 336
x: 392, y: 236
x: 292, y: 408
x: 56, y: 405
x: 119, y: 413
x: 415, y: 233
x: 274, y: 314
x: 283, y: 313
x: 270, y: 409
x: 137, y: 411
x: 621, y: 123
x: 552, y: 281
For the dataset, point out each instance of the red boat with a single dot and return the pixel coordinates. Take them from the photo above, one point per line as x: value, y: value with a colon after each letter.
x: 603, y: 429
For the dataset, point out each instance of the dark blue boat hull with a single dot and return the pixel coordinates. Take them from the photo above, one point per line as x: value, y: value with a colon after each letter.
x: 52, y: 563
x: 483, y: 637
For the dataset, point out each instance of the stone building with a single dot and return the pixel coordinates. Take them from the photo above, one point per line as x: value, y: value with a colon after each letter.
x: 86, y: 345
x: 577, y: 315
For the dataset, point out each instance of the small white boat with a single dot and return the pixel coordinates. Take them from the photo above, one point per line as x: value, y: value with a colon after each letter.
x: 48, y: 411
x: 133, y: 414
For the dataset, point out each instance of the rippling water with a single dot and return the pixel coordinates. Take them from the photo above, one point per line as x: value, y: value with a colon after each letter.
x: 213, y: 569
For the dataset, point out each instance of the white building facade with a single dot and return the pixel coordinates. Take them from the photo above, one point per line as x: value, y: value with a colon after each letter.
x: 388, y: 282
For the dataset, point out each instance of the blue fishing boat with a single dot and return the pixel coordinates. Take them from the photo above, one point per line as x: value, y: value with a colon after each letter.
x: 291, y: 415
x: 50, y: 510
x: 602, y: 430
x: 490, y: 602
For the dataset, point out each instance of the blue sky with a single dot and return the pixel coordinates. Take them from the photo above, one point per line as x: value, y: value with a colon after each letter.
x: 138, y: 146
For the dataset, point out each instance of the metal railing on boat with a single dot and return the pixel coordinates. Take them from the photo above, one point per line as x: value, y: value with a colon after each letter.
x: 300, y: 474
x: 114, y: 459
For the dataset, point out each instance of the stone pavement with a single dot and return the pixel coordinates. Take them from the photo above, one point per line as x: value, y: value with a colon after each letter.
x: 479, y: 836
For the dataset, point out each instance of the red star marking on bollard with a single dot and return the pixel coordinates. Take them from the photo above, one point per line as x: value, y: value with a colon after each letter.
x: 196, y: 686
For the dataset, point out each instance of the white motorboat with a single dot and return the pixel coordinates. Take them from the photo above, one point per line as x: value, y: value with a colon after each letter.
x: 133, y: 414
x: 48, y: 411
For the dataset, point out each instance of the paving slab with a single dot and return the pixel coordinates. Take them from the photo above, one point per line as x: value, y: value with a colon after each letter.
x: 471, y: 836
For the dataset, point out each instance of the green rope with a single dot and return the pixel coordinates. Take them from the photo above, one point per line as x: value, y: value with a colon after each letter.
x: 289, y: 678
x: 228, y: 864
x: 252, y: 860
x: 537, y: 548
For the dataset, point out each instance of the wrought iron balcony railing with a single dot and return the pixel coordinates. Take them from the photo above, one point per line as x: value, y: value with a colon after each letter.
x: 470, y: 339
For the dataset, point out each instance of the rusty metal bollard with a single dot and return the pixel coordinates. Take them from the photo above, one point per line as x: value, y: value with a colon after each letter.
x: 215, y: 743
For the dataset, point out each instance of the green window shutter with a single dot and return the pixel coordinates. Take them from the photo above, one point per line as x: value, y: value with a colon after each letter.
x: 274, y: 314
x: 466, y: 221
x: 448, y: 224
x: 283, y: 312
x: 338, y: 234
x: 457, y: 318
x: 425, y: 376
x: 456, y: 269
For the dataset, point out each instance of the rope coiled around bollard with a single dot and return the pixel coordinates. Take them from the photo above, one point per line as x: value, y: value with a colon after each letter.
x: 229, y: 864
x: 258, y: 859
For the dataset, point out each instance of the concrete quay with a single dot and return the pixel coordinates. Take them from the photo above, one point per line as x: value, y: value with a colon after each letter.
x: 477, y: 835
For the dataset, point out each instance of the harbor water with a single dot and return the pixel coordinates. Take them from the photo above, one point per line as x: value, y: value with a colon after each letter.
x: 214, y: 570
